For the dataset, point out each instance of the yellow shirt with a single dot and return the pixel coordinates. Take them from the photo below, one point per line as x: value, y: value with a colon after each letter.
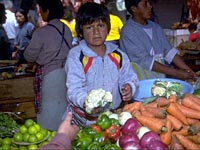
x: 116, y: 25
x: 71, y: 26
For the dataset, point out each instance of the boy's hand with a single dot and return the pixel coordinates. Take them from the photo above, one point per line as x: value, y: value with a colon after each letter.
x: 126, y: 92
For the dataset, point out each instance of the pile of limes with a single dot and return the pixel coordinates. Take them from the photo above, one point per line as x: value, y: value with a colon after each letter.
x: 31, y: 133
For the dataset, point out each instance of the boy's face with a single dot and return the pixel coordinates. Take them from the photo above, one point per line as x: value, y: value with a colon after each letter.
x: 95, y: 33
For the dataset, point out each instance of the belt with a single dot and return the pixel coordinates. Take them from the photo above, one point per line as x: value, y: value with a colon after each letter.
x: 82, y: 114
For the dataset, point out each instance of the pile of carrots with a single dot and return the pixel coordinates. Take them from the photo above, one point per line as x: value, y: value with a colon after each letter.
x: 176, y: 120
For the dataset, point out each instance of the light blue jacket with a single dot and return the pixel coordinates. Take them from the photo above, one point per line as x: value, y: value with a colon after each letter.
x: 103, y: 73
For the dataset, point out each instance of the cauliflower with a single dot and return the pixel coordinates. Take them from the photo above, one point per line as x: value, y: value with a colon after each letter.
x: 97, y: 98
x: 165, y: 88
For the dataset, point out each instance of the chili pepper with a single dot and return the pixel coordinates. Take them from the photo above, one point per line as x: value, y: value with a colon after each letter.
x: 111, y: 147
x: 96, y: 128
x: 101, y: 138
x: 113, y: 133
x: 94, y: 145
x: 103, y: 121
x: 115, y: 122
x: 84, y: 141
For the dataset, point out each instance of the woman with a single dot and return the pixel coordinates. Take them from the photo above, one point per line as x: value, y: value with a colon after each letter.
x: 24, y: 34
x: 147, y: 46
x: 49, y: 47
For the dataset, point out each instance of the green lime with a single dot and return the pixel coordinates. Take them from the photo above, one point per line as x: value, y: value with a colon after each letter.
x: 28, y: 123
x: 32, y: 147
x: 32, y: 130
x: 26, y: 137
x: 18, y: 137
x: 37, y: 126
x: 44, y: 132
x: 33, y: 139
x: 197, y: 93
x: 6, y: 141
x: 22, y: 147
x: 6, y: 147
x: 23, y: 129
x: 39, y: 136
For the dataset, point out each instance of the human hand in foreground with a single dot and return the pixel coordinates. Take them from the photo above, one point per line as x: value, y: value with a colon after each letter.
x: 67, y: 128
x: 126, y: 92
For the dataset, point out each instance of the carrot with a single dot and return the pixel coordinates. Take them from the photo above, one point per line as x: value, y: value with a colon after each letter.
x: 166, y: 137
x: 174, y: 111
x: 193, y: 97
x: 194, y: 129
x: 186, y: 142
x: 162, y: 101
x: 189, y: 102
x: 132, y: 106
x: 152, y: 104
x: 192, y: 121
x: 172, y: 98
x: 152, y: 123
x: 194, y: 138
x: 142, y: 107
x: 136, y: 112
x: 176, y: 124
x: 189, y: 112
x: 158, y: 113
x: 146, y: 113
x: 175, y: 144
x: 182, y: 131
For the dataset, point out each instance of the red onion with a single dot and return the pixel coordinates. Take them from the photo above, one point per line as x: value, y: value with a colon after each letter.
x: 148, y: 137
x: 130, y: 127
x: 132, y: 146
x: 156, y: 145
x: 128, y: 138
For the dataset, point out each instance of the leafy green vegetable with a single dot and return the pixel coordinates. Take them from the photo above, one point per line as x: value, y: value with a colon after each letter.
x: 8, y: 125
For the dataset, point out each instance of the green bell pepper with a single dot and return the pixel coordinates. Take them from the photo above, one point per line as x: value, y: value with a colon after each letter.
x: 111, y: 147
x: 103, y: 121
x: 94, y: 146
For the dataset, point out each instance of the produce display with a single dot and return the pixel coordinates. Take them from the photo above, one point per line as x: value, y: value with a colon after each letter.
x: 28, y: 136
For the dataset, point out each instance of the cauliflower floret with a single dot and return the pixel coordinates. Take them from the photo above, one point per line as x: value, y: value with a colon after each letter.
x: 96, y: 98
x: 158, y: 91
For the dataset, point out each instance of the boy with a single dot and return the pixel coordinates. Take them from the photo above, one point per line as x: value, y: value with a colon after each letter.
x: 95, y: 64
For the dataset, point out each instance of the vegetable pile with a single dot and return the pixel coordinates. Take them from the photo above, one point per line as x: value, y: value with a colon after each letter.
x: 8, y: 126
x: 176, y: 121
x: 165, y: 88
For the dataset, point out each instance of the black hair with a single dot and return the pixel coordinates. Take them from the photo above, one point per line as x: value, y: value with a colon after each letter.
x: 89, y: 13
x: 24, y: 13
x: 130, y: 3
x: 192, y: 26
x: 2, y: 13
x: 54, y: 7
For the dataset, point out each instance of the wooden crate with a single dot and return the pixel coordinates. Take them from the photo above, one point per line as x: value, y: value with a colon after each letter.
x: 17, y: 96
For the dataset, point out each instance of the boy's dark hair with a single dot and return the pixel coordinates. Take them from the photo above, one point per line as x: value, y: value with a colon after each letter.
x: 129, y: 3
x: 54, y: 6
x: 90, y: 12
x: 192, y: 26
x: 24, y: 13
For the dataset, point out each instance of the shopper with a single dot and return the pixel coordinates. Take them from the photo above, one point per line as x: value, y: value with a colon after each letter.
x: 4, y: 41
x: 23, y: 37
x: 49, y: 48
x: 95, y: 63
x: 146, y: 45
x: 11, y: 23
x: 194, y: 34
x: 64, y: 136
